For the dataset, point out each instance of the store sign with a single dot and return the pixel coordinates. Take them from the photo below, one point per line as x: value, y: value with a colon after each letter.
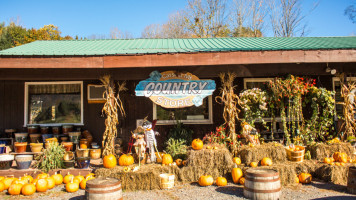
x: 172, y: 89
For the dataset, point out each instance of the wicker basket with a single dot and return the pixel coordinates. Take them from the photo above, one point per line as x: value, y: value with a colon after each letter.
x: 296, y: 155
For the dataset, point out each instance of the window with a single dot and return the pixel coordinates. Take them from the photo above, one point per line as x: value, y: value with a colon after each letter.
x: 54, y: 103
x: 250, y: 83
x: 338, y: 99
x: 188, y: 115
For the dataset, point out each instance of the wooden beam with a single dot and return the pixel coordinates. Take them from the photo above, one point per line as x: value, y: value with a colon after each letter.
x: 183, y: 59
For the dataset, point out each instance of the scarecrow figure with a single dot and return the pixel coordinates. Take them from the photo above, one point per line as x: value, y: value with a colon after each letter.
x: 150, y: 140
x: 250, y: 133
x: 140, y: 144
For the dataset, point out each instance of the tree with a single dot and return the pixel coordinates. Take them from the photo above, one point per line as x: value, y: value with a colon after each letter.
x: 350, y: 11
x: 115, y: 33
x: 247, y: 18
x: 207, y: 18
x: 287, y: 19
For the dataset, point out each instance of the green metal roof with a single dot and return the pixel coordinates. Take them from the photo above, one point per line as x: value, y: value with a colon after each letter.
x: 158, y: 46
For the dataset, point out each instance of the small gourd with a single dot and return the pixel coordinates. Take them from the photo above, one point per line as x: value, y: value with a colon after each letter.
x: 305, y: 178
x: 89, y: 175
x: 72, y: 186
x: 50, y: 182
x: 67, y: 178
x: 236, y: 174
x: 236, y: 160
x: 197, y: 144
x: 2, y: 186
x: 242, y: 181
x: 327, y: 160
x: 109, y: 161
x: 28, y: 189
x: 79, y: 177
x: 266, y: 161
x: 221, y: 181
x: 206, y: 180
x: 179, y: 162
x: 167, y: 159
x: 7, y: 182
x: 41, y: 185
x: 42, y: 176
x: 253, y: 164
x: 58, y: 178
x: 15, y: 188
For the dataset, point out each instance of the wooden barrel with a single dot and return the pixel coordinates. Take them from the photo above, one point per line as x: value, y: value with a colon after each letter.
x: 262, y: 184
x: 296, y: 156
x: 351, y: 180
x: 103, y: 189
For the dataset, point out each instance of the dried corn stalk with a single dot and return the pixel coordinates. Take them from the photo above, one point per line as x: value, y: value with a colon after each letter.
x: 111, y: 109
x: 348, y: 108
x: 230, y: 101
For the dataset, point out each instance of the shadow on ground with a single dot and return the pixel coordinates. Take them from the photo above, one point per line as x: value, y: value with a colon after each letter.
x: 337, y: 198
x: 330, y: 186
x: 82, y: 197
x: 231, y: 190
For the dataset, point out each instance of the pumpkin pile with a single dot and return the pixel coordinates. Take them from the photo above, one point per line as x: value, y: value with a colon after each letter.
x: 27, y: 185
x: 338, y: 159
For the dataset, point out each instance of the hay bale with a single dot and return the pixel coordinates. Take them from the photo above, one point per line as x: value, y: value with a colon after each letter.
x: 319, y: 151
x: 254, y: 154
x: 332, y: 173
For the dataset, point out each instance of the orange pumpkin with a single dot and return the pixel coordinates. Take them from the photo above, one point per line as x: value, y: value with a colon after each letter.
x: 72, y: 186
x: 15, y: 188
x: 305, y: 178
x: 266, y: 161
x: 221, y: 181
x: 109, y: 161
x: 236, y: 160
x: 236, y: 174
x: 253, y: 164
x: 7, y: 182
x: 340, y: 157
x: 179, y: 162
x: 2, y: 186
x: 41, y: 185
x: 28, y: 178
x: 296, y: 179
x: 42, y: 176
x: 90, y: 175
x: 167, y: 159
x: 159, y: 156
x: 79, y: 177
x: 126, y: 160
x: 184, y: 162
x: 58, y: 178
x: 242, y: 181
x: 67, y: 178
x: 83, y: 146
x: 197, y: 144
x: 2, y: 178
x: 28, y: 189
x: 50, y: 182
x: 206, y: 180
x: 327, y: 160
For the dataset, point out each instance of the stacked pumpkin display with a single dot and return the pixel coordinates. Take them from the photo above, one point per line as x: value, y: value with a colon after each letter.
x: 338, y: 159
x: 27, y: 185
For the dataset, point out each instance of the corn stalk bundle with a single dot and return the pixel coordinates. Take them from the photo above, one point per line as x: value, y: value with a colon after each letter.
x: 230, y: 101
x: 348, y: 108
x: 112, y: 107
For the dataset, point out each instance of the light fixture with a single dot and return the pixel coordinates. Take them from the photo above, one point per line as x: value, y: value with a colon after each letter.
x: 329, y: 70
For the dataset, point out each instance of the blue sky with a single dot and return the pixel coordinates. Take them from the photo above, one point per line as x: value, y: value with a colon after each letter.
x: 85, y: 18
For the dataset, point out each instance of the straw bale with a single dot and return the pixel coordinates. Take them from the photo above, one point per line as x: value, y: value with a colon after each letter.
x: 332, y: 173
x: 319, y: 151
x: 254, y: 154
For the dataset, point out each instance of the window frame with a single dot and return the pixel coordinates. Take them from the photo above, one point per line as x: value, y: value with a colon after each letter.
x: 172, y: 122
x: 258, y: 80
x: 334, y: 79
x: 54, y: 82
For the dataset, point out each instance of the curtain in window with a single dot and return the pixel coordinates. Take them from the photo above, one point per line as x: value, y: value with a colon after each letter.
x: 54, y: 89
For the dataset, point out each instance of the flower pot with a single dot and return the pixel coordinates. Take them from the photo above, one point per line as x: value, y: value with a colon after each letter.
x: 36, y: 147
x: 35, y: 137
x: 95, y: 153
x: 69, y: 164
x: 23, y: 161
x: 69, y: 155
x: 6, y: 161
x: 20, y: 147
x: 83, y: 162
x: 82, y: 152
x: 21, y: 137
x: 51, y: 140
x: 46, y: 136
x: 68, y: 146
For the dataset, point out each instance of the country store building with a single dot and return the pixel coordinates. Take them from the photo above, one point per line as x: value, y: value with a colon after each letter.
x: 35, y: 77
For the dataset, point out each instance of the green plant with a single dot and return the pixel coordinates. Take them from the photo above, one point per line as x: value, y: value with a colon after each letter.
x: 180, y: 131
x: 52, y: 158
x: 254, y: 105
x: 176, y: 148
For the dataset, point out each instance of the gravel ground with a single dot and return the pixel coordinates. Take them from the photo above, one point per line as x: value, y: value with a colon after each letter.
x: 316, y: 190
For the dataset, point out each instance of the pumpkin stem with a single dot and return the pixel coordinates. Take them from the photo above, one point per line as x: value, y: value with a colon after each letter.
x: 235, y: 165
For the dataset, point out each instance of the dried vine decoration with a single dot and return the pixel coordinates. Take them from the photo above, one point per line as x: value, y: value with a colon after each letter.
x: 349, y: 124
x: 112, y: 107
x: 230, y: 101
